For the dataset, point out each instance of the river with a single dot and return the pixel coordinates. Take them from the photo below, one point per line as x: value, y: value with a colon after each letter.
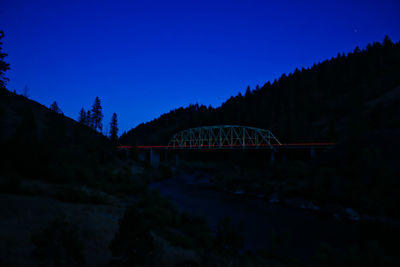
x: 300, y: 231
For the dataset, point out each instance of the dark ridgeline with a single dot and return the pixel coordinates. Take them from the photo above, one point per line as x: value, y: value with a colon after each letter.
x: 42, y: 143
x: 313, y: 104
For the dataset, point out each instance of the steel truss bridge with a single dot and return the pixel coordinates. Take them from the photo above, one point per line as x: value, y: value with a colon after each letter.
x: 228, y: 137
x: 222, y: 136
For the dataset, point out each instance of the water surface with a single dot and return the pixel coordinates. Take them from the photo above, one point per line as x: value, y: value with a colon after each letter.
x: 292, y: 232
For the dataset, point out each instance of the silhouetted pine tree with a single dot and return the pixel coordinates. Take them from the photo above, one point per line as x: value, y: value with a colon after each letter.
x: 83, y: 117
x: 3, y: 65
x: 89, y: 119
x: 54, y: 107
x: 97, y: 115
x: 114, y: 128
x: 248, y: 92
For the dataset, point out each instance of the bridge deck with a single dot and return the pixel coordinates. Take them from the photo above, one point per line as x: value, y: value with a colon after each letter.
x: 248, y: 146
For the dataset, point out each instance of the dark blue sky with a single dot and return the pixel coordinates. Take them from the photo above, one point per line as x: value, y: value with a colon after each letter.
x: 144, y: 58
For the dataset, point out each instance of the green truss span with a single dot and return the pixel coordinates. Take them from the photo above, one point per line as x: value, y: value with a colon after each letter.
x: 223, y: 136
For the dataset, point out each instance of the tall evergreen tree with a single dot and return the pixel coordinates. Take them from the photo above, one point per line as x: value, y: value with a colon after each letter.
x: 83, y: 117
x: 248, y: 92
x: 89, y: 119
x: 387, y: 42
x: 3, y: 65
x: 114, y: 128
x: 97, y: 115
x: 54, y: 107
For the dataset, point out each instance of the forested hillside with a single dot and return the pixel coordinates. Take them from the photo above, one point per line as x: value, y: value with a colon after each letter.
x: 313, y: 104
x: 40, y: 143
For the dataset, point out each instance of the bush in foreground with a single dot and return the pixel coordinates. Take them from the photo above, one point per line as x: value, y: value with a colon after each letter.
x: 59, y: 245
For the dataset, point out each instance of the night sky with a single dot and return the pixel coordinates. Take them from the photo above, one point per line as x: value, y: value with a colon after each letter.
x: 144, y: 58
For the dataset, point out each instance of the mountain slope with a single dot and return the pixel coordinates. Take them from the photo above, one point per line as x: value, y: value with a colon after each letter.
x: 306, y: 105
x: 39, y: 143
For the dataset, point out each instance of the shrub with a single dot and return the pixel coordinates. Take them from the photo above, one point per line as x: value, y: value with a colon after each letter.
x: 133, y: 243
x: 228, y: 237
x: 197, y: 228
x: 59, y: 245
x: 73, y: 195
x: 166, y: 172
x: 122, y: 184
x: 158, y: 211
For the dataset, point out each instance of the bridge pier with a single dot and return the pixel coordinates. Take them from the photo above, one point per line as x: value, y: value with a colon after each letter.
x: 142, y: 156
x: 154, y: 159
x: 312, y: 152
x: 151, y: 156
x: 176, y: 160
x: 272, y: 158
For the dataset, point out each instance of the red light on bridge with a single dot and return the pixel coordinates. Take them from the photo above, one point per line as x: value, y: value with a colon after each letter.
x: 236, y: 145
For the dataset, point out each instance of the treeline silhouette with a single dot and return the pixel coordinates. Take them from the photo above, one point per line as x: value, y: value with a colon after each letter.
x: 305, y: 105
x: 93, y: 118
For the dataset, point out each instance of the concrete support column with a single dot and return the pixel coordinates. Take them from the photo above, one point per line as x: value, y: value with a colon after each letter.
x: 154, y: 158
x: 142, y: 156
x: 272, y: 158
x: 176, y: 160
x: 312, y: 152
